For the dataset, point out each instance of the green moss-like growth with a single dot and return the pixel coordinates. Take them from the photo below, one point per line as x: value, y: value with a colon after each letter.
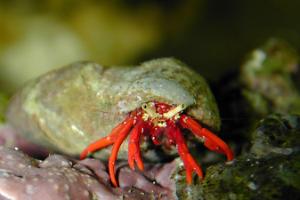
x: 267, y: 79
x: 270, y: 171
x: 279, y: 134
x: 273, y: 177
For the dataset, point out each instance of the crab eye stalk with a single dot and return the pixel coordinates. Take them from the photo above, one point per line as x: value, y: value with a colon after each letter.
x: 171, y: 113
x: 149, y: 109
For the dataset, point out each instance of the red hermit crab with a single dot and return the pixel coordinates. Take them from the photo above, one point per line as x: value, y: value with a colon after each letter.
x: 154, y: 119
x: 68, y: 109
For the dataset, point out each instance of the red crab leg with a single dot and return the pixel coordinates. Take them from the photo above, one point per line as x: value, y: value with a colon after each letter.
x: 105, y: 141
x: 211, y: 141
x: 189, y: 163
x: 114, y: 152
x: 155, y: 133
x: 134, y: 153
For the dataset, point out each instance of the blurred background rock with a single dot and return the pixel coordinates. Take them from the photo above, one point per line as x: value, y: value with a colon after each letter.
x: 213, y: 36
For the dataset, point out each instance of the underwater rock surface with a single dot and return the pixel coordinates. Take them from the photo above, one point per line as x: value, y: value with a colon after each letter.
x: 267, y: 163
x: 60, y: 178
x: 276, y: 134
x: 270, y: 171
x: 250, y: 178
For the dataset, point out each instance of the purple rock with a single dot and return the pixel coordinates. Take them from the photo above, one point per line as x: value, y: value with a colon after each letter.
x: 61, y: 178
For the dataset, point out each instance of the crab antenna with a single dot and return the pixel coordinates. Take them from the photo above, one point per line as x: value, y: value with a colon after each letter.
x: 106, y: 141
x: 211, y: 141
x: 174, y: 111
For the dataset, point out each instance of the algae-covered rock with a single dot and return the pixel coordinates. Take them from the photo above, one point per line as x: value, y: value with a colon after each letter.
x: 271, y: 177
x: 250, y: 178
x: 279, y: 134
x: 267, y: 79
x: 270, y: 171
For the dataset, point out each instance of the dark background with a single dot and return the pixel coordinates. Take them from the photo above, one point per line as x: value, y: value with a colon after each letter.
x: 210, y: 35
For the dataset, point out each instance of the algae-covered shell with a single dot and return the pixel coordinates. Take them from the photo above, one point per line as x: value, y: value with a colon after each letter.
x: 71, y: 107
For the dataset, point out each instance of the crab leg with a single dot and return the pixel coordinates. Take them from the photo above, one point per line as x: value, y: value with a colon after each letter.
x: 156, y: 132
x: 105, y: 141
x: 134, y: 153
x: 211, y: 141
x: 189, y: 163
x: 114, y: 152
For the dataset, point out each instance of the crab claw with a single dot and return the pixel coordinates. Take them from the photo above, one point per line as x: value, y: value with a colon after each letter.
x: 115, y: 149
x: 134, y: 153
x: 211, y: 141
x: 116, y: 137
x: 106, y: 141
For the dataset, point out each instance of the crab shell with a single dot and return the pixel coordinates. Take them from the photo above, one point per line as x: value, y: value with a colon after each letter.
x: 67, y: 109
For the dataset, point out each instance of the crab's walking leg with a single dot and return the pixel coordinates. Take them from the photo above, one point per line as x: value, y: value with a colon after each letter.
x: 114, y: 152
x: 106, y: 141
x: 134, y: 153
x: 211, y: 141
x: 155, y: 133
x: 189, y: 163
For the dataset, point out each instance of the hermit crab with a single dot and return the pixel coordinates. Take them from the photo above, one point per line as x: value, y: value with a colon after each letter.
x: 85, y: 107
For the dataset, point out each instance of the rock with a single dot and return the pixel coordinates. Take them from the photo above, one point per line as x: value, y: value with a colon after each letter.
x: 271, y: 170
x: 58, y: 177
x: 279, y: 134
x: 266, y: 78
x: 252, y: 178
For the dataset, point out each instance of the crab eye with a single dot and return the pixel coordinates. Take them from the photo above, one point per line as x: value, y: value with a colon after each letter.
x: 144, y: 106
x: 183, y: 106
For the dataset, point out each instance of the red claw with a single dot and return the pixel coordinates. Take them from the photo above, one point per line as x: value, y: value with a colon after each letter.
x: 116, y: 137
x: 106, y: 141
x: 134, y: 153
x: 211, y: 141
x: 114, y: 152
